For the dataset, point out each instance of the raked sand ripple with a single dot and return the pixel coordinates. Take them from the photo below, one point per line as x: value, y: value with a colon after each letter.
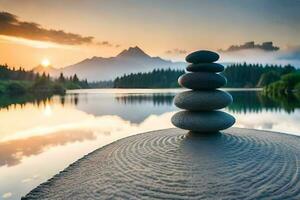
x: 167, y: 164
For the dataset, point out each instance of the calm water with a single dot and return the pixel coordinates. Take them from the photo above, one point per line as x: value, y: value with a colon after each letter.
x: 40, y: 138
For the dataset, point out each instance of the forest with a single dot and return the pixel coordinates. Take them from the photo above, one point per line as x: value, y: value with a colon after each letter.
x: 19, y: 82
x: 243, y: 75
x: 238, y: 76
x: 158, y: 78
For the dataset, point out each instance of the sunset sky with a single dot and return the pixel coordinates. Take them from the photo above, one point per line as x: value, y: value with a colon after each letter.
x: 66, y: 32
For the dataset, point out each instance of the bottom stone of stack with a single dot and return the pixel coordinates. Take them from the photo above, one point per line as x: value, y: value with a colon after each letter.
x: 209, y: 121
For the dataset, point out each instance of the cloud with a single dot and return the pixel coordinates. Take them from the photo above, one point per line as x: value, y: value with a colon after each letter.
x: 104, y: 43
x: 265, y: 46
x: 176, y: 51
x: 292, y: 53
x: 10, y: 25
x: 107, y: 44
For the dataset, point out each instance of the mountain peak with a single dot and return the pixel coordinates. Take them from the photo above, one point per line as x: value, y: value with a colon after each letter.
x: 133, y: 52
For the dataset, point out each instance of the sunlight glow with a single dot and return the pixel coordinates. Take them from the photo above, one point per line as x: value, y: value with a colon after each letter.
x: 45, y: 62
x: 47, y: 111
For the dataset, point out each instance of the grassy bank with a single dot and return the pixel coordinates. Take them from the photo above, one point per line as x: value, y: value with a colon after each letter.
x: 288, y: 84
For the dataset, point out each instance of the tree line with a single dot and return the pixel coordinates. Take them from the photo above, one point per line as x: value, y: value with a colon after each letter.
x: 243, y: 75
x: 19, y: 81
x: 158, y: 78
x: 240, y: 75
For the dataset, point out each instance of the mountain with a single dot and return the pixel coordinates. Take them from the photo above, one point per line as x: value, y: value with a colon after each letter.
x: 133, y: 52
x: 130, y: 60
x: 48, y: 70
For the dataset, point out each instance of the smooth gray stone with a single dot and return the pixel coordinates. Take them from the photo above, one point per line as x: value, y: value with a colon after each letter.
x: 205, y: 67
x: 197, y: 100
x: 210, y: 121
x: 202, y: 56
x: 202, y: 80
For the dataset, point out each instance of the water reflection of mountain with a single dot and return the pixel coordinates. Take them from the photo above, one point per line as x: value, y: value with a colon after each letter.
x: 131, y: 107
x: 155, y: 99
x: 252, y: 101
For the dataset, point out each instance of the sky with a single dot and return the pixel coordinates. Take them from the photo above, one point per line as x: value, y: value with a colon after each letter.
x: 66, y: 32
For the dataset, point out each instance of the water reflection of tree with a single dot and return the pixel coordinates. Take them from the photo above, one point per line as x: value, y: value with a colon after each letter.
x: 156, y: 99
x: 245, y: 102
x: 73, y: 99
x: 7, y: 101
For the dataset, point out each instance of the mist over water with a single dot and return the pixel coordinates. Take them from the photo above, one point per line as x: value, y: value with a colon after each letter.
x: 285, y: 56
x: 48, y: 134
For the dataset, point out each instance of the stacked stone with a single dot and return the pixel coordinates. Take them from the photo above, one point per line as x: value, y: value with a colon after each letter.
x: 202, y: 103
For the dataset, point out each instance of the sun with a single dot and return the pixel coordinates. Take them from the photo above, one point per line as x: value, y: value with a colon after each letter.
x: 45, y: 62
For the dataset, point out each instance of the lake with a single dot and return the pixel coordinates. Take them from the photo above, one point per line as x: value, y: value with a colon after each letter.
x: 39, y: 138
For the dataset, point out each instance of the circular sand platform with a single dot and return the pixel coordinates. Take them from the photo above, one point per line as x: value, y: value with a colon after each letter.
x: 167, y: 164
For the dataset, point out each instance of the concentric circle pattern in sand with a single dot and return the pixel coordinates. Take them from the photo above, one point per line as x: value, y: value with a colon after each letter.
x: 168, y: 164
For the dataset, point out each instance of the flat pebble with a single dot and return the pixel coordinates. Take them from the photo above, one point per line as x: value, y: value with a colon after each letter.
x: 210, y: 121
x: 202, y: 80
x: 205, y: 67
x: 202, y: 100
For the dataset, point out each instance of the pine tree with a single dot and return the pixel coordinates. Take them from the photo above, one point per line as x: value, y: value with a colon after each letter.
x: 61, y: 78
x: 75, y: 79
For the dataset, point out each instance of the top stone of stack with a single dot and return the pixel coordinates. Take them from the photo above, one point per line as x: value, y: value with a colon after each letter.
x: 202, y: 56
x: 203, y: 61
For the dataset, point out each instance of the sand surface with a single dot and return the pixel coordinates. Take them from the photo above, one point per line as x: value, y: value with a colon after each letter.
x: 167, y: 164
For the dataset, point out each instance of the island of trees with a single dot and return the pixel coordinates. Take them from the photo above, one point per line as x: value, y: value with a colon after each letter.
x: 19, y: 82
